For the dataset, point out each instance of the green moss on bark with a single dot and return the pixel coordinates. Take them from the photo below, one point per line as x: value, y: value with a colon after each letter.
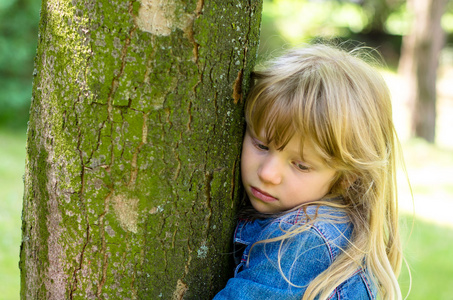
x: 134, y: 145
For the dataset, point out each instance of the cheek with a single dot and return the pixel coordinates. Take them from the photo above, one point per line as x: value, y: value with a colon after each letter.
x: 249, y: 161
x: 245, y: 159
x: 329, y: 182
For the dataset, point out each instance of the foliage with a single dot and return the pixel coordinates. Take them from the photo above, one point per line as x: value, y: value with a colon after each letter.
x: 287, y: 23
x: 302, y: 20
x: 299, y: 21
x: 447, y: 21
x: 18, y: 37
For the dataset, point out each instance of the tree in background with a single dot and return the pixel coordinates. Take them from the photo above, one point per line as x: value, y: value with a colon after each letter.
x: 419, y: 61
x: 378, y: 12
x: 132, y: 169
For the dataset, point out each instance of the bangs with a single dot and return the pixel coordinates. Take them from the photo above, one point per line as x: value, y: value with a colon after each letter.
x: 273, y: 116
x: 279, y: 108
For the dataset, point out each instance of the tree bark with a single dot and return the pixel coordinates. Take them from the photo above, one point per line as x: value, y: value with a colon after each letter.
x: 132, y: 172
x: 418, y: 64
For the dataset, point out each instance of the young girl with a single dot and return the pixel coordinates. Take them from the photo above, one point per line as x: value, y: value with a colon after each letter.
x: 318, y: 168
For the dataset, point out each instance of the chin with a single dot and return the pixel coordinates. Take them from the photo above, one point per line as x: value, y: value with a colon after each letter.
x: 264, y: 209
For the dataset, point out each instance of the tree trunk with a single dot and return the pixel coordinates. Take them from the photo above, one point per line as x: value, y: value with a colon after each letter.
x: 418, y: 64
x: 132, y: 175
x: 378, y: 12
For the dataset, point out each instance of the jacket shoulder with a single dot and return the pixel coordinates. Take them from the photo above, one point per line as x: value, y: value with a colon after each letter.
x: 359, y: 286
x: 331, y: 225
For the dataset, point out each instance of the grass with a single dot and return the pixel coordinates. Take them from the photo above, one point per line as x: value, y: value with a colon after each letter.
x: 430, y: 258
x: 428, y: 244
x: 12, y: 165
x: 428, y: 250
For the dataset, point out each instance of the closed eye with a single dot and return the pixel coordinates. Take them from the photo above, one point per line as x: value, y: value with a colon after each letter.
x: 260, y: 146
x: 300, y: 166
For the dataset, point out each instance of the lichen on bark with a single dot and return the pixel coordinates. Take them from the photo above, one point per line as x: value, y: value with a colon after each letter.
x: 131, y: 183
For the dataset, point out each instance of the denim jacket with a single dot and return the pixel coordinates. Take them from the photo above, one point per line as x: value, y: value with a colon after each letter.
x: 304, y: 256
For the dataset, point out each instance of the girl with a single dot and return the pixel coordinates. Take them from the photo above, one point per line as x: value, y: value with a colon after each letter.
x: 318, y: 168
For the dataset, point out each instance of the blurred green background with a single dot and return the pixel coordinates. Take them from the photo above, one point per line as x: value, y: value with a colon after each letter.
x: 426, y: 220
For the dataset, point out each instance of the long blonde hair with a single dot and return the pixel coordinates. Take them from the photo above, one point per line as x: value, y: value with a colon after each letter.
x: 342, y: 104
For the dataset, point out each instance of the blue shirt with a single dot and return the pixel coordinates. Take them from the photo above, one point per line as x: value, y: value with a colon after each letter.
x: 302, y: 257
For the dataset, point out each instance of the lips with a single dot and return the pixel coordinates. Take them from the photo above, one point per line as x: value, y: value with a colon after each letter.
x: 263, y: 196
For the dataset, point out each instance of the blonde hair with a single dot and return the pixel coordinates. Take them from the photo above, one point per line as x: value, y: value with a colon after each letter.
x: 342, y: 105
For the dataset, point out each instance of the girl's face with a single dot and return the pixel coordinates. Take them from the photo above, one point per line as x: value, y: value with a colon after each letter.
x: 278, y: 180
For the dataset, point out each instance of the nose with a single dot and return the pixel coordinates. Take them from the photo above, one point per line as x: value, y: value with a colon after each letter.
x: 270, y: 171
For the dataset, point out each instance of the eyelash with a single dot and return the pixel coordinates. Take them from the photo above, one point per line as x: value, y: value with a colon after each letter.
x: 301, y: 167
x: 260, y: 146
